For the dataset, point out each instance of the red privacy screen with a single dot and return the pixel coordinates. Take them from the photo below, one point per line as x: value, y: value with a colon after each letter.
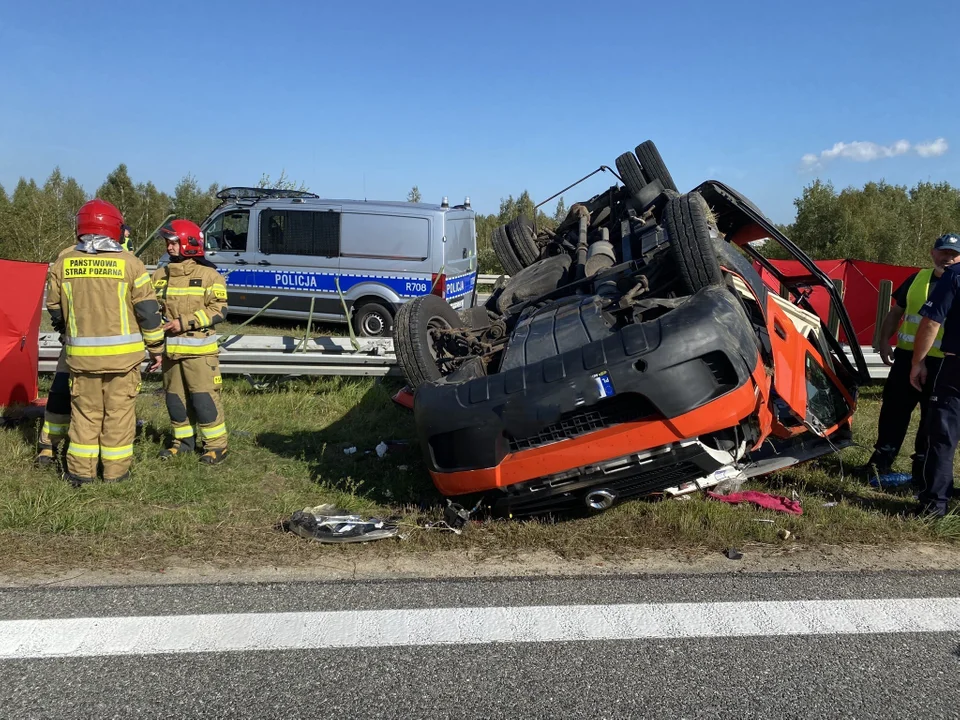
x: 21, y: 298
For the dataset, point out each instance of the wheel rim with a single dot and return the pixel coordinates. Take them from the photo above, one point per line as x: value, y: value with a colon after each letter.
x: 373, y: 324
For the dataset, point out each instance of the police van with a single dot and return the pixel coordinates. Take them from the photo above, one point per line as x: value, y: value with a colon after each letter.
x: 368, y: 256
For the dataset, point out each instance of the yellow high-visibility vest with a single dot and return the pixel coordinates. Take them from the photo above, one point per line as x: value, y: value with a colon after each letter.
x: 916, y: 297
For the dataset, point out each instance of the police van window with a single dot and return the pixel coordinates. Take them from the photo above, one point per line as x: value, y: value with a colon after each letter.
x: 228, y: 231
x: 300, y: 232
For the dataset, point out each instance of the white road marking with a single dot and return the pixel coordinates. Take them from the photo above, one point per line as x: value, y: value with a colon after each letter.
x: 83, y: 637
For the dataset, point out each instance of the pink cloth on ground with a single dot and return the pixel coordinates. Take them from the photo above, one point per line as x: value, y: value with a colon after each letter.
x: 764, y: 500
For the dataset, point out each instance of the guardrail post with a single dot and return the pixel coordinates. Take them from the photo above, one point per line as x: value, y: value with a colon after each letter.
x: 883, y: 307
x: 833, y: 320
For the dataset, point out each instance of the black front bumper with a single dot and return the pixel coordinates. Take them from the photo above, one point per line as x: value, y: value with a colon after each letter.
x: 665, y: 368
x: 622, y: 479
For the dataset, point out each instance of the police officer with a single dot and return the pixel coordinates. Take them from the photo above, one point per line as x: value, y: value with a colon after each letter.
x: 194, y: 299
x: 943, y: 414
x: 900, y: 398
x: 101, y: 299
x: 125, y: 242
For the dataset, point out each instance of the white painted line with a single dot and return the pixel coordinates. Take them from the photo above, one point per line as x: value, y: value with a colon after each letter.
x: 83, y: 637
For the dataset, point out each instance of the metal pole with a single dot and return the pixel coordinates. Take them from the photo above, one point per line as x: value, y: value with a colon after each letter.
x: 883, y: 307
x: 246, y: 322
x: 149, y: 239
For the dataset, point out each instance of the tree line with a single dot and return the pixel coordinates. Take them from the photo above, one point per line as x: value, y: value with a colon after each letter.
x: 880, y: 222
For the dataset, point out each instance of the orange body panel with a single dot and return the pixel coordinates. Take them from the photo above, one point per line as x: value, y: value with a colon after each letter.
x: 614, y: 442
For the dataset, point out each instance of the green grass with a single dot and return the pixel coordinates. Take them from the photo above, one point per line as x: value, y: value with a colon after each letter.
x: 287, y: 453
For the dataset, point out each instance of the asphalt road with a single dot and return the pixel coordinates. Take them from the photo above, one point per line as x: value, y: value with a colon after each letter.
x: 780, y: 674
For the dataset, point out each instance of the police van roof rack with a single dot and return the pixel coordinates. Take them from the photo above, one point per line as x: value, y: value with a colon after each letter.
x: 255, y: 193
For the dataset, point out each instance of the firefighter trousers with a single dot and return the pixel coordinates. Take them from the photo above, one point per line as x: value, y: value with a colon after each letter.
x: 103, y: 423
x: 56, y: 416
x: 192, y: 387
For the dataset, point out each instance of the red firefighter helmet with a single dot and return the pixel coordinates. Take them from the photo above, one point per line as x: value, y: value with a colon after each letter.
x: 98, y: 217
x: 188, y: 233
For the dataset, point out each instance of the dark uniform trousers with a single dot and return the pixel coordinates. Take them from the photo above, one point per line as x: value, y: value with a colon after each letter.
x: 943, y: 431
x: 900, y: 399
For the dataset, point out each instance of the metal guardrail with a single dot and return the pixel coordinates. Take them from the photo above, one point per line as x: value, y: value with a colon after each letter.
x: 280, y: 355
x: 286, y: 355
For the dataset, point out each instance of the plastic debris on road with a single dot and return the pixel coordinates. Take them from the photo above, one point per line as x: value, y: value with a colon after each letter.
x: 381, y: 449
x: 329, y: 524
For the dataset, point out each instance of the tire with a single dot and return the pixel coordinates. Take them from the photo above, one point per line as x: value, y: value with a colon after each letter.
x: 631, y: 173
x: 523, y: 241
x: 539, y: 279
x: 411, y: 337
x: 685, y: 219
x: 372, y: 319
x: 505, y: 252
x: 653, y: 166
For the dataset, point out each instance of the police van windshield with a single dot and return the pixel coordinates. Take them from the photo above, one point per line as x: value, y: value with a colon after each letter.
x: 228, y: 231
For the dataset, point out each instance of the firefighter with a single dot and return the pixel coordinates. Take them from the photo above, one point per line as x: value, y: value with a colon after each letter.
x: 101, y: 299
x: 900, y: 398
x: 941, y: 320
x: 194, y: 299
x: 56, y: 414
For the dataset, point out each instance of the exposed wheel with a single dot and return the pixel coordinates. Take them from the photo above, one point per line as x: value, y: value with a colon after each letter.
x: 372, y: 319
x: 418, y: 356
x: 653, y: 166
x: 630, y: 173
x: 540, y: 278
x: 504, y: 250
x: 685, y: 219
x: 523, y: 240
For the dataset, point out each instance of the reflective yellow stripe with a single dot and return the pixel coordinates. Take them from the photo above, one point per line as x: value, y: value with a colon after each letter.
x: 188, y: 350
x: 192, y: 291
x: 183, y: 432
x: 104, y: 350
x: 202, y: 317
x: 219, y: 291
x: 214, y: 432
x: 141, y: 281
x: 124, y: 318
x: 71, y: 318
x: 56, y: 428
x: 116, y: 453
x: 153, y: 336
x: 86, y: 451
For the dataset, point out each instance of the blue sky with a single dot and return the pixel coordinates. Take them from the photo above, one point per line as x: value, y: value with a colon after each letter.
x: 481, y: 99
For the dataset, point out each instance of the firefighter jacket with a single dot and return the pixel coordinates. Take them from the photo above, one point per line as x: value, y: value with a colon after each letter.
x: 104, y: 306
x: 197, y: 296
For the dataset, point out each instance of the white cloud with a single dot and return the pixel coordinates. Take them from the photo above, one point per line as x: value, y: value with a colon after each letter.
x: 861, y: 151
x: 931, y: 149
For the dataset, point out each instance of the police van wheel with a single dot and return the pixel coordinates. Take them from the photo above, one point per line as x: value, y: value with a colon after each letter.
x: 372, y: 320
x: 418, y: 320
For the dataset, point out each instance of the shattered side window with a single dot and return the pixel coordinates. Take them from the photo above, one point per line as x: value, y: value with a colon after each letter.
x: 825, y: 403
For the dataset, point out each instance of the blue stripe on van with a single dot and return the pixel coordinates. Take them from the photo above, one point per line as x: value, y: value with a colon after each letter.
x: 323, y: 282
x: 460, y: 285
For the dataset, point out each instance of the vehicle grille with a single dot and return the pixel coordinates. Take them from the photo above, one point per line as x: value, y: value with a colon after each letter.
x: 628, y: 407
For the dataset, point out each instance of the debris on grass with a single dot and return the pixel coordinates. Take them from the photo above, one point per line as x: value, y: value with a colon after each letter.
x: 329, y: 524
x: 764, y: 500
